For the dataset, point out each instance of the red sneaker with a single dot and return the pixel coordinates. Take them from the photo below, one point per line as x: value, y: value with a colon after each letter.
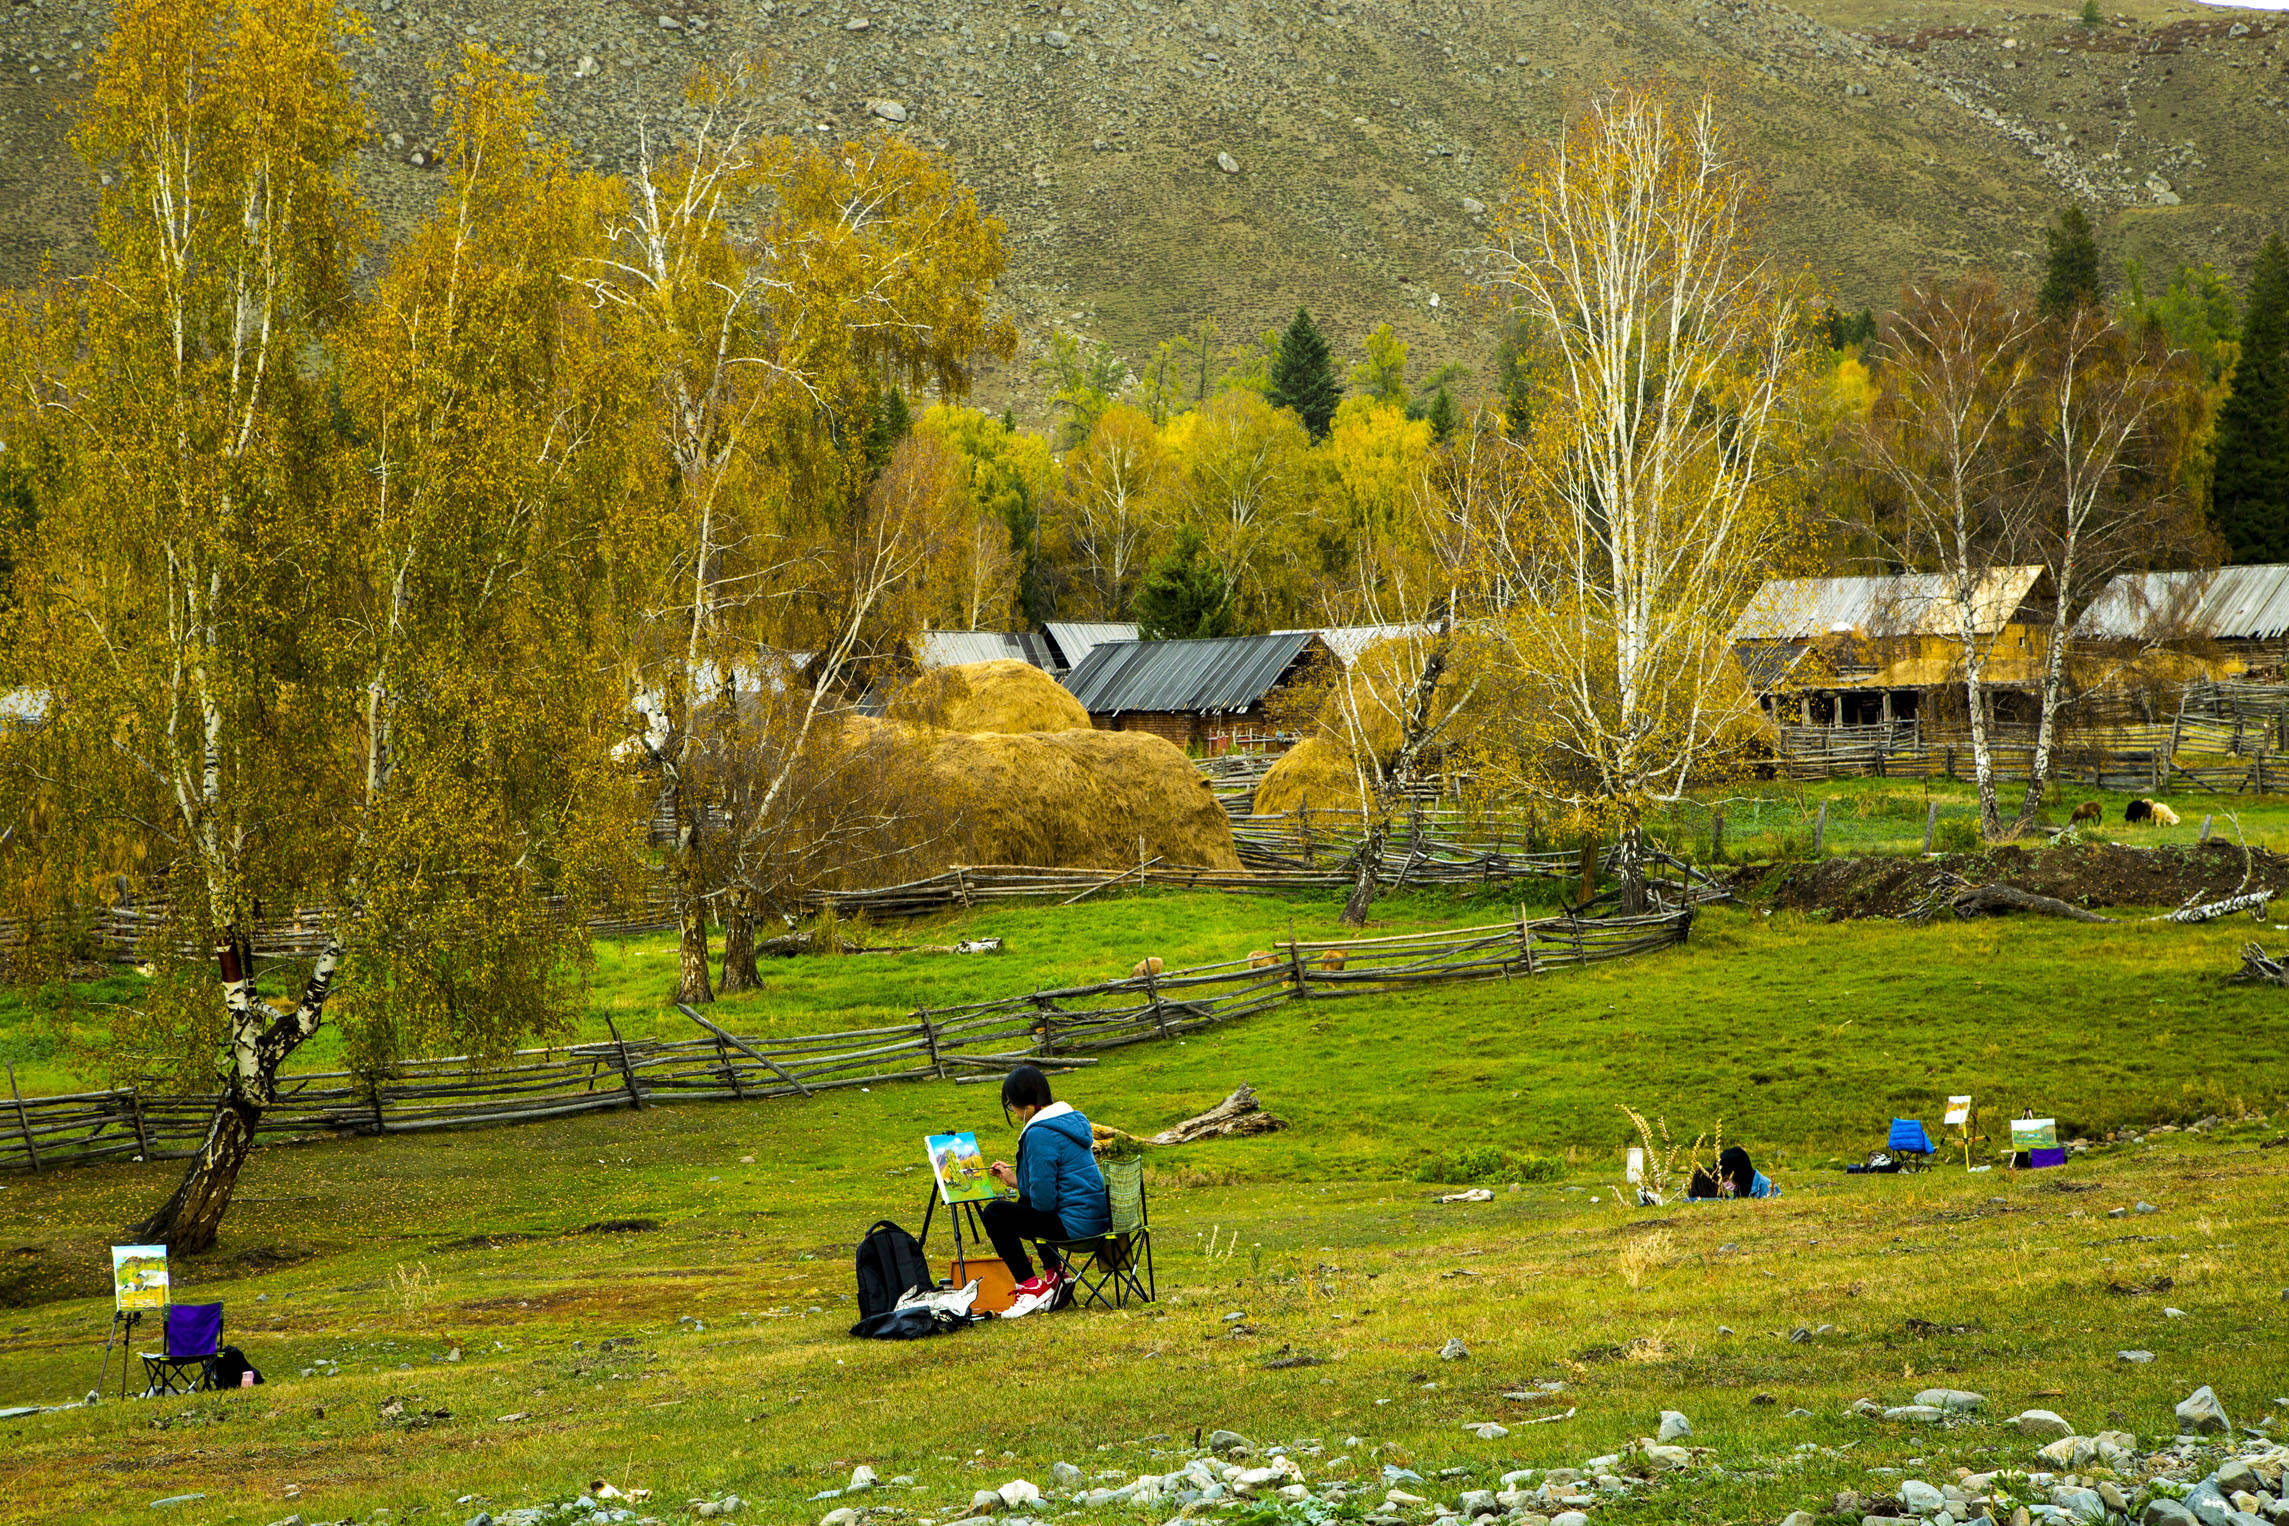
x: 1037, y: 1286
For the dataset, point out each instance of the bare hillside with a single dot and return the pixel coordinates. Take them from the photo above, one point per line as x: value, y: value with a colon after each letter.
x: 1163, y: 161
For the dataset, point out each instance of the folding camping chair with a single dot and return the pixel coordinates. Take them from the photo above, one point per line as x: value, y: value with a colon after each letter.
x: 194, y: 1338
x: 1109, y: 1264
x: 1910, y: 1145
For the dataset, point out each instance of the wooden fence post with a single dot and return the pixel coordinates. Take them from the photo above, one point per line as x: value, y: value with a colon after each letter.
x: 930, y: 1038
x: 1819, y: 829
x: 1717, y: 834
x: 1295, y: 962
x: 135, y: 1110
x: 23, y: 1121
x: 2205, y: 837
x: 1930, y: 824
x: 627, y: 1076
x: 1525, y: 937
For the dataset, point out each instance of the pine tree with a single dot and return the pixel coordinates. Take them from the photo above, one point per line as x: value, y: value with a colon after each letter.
x: 2070, y: 274
x: 1303, y: 376
x: 1183, y: 593
x: 1442, y: 415
x: 2250, y: 496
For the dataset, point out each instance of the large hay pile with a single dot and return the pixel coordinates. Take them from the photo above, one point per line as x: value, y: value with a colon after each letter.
x: 1062, y: 799
x: 1082, y: 799
x: 1315, y: 773
x: 1005, y: 696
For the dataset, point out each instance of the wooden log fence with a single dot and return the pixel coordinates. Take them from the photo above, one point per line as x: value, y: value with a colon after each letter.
x: 1066, y: 1028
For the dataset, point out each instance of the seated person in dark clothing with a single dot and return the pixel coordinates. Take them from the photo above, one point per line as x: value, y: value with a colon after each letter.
x: 1060, y: 1192
x: 1733, y: 1177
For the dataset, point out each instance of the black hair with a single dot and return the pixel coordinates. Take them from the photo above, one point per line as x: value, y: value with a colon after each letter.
x: 1025, y: 1086
x: 1734, y: 1167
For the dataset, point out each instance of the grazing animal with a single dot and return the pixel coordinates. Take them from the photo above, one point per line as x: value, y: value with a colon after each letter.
x: 2087, y: 811
x: 2137, y: 811
x: 1259, y: 960
x: 1146, y: 966
x: 1332, y: 959
x: 2165, y: 815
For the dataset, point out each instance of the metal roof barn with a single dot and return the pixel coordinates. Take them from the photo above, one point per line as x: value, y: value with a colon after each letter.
x: 1072, y: 640
x: 1907, y: 604
x: 1348, y: 641
x: 945, y: 649
x: 1214, y: 675
x: 2228, y: 604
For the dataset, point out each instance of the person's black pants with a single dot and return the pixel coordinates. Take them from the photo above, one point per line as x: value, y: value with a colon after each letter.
x: 1009, y: 1225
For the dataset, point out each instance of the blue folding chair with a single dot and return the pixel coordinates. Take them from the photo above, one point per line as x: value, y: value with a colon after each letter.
x: 1909, y: 1144
x: 194, y: 1338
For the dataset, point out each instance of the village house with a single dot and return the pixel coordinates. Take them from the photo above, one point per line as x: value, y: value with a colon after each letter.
x: 1207, y: 695
x: 1869, y: 651
x: 2227, y: 622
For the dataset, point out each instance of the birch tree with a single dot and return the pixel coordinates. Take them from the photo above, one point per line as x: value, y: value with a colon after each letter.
x: 1115, y: 484
x: 2115, y: 413
x: 1957, y: 374
x: 1658, y: 452
x: 762, y: 291
x: 294, y: 664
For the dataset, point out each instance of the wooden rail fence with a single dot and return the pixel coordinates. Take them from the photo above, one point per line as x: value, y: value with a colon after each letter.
x: 1057, y: 1029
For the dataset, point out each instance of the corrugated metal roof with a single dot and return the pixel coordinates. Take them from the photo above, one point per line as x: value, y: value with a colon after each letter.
x: 1770, y: 664
x: 1072, y: 640
x: 1348, y: 641
x: 944, y: 649
x: 1205, y: 677
x: 2229, y: 604
x: 1909, y: 604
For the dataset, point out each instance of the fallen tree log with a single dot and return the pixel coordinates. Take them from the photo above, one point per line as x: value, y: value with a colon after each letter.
x: 1993, y: 900
x: 2253, y: 902
x: 2256, y: 964
x: 1236, y: 1117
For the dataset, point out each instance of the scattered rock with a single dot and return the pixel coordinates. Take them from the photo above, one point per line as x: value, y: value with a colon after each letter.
x: 1921, y: 1498
x: 889, y: 111
x: 1231, y: 166
x: 1916, y: 1414
x: 2082, y: 1504
x: 1455, y: 1351
x: 984, y: 1502
x: 2040, y: 1422
x: 845, y: 1516
x: 1674, y: 1427
x: 861, y: 1477
x: 2134, y: 1356
x: 1956, y: 1401
x: 1221, y: 1442
x: 1569, y: 1518
x: 1855, y: 89
x: 2199, y: 1414
x: 858, y: 24
x: 1473, y: 207
x: 2166, y: 1512
x: 1798, y: 1518
x: 1018, y: 1492
x: 1056, y: 40
x: 1477, y: 1502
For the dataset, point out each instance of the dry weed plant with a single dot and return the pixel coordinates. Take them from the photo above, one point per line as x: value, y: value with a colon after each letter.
x: 414, y: 1289
x: 1662, y: 1167
x: 1641, y: 1253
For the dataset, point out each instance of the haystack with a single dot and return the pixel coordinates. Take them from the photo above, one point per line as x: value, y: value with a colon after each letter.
x: 1317, y: 773
x: 1082, y: 799
x: 1004, y: 696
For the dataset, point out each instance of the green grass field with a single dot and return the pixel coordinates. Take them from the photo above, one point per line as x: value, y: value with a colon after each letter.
x: 377, y: 1257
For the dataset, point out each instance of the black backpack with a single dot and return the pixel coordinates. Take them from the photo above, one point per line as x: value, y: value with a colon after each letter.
x: 890, y: 1265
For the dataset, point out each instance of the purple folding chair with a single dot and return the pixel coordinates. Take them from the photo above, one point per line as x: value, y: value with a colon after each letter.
x: 194, y: 1333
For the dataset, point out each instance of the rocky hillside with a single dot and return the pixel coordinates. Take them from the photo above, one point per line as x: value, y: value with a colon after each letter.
x: 1161, y: 162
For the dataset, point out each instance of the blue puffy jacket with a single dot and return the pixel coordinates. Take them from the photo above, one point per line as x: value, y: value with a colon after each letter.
x: 1057, y: 1172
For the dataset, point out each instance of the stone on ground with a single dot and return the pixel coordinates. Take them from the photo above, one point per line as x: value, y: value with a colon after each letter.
x: 2040, y: 1422
x: 1674, y: 1427
x: 2199, y: 1414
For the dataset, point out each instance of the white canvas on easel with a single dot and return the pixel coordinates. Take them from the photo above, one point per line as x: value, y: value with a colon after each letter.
x: 1958, y: 1112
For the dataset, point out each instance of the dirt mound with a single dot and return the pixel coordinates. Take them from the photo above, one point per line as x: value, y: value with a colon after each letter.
x: 2094, y: 874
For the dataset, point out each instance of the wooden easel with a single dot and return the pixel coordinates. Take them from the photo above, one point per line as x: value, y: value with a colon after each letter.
x: 123, y: 1323
x: 955, y: 1214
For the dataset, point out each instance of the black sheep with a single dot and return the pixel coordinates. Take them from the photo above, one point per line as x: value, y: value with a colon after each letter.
x: 2138, y: 810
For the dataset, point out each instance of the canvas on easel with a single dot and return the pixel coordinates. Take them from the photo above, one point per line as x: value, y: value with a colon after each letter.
x: 2038, y: 1140
x: 1959, y: 1119
x: 139, y: 1284
x: 958, y: 1167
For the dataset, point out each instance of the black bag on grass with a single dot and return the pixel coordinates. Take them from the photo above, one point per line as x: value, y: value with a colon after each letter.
x: 890, y: 1265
